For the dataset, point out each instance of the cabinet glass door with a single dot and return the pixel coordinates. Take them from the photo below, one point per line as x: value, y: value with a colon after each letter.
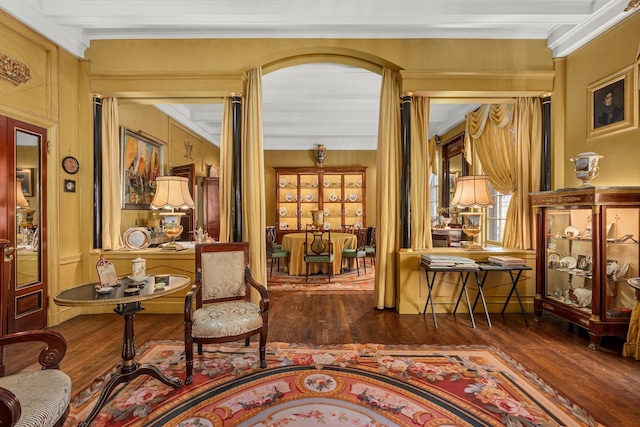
x: 569, y: 255
x: 622, y: 258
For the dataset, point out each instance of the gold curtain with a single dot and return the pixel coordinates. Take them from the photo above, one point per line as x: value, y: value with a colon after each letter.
x: 419, y: 192
x: 506, y: 139
x: 631, y: 348
x: 253, y: 201
x: 111, y: 203
x: 528, y: 123
x: 226, y: 171
x: 388, y: 189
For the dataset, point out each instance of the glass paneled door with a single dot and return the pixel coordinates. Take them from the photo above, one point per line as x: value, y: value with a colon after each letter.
x: 24, y: 297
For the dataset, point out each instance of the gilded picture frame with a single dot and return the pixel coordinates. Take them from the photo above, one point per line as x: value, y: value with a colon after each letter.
x: 613, y: 103
x: 27, y: 180
x: 141, y: 162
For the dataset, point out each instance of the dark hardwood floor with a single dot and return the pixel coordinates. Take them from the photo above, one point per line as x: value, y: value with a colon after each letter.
x: 604, y: 383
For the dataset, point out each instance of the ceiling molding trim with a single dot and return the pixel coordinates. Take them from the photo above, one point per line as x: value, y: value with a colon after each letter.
x: 181, y: 115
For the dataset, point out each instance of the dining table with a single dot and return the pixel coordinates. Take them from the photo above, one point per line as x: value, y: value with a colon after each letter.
x: 294, y: 243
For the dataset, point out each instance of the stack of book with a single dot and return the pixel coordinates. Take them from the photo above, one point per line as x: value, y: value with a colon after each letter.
x: 506, y: 260
x: 447, y: 261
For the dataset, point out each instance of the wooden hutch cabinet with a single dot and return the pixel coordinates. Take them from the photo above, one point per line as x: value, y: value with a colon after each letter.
x: 339, y: 191
x: 587, y: 246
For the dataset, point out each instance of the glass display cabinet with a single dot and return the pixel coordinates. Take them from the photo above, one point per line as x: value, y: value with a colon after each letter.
x: 587, y: 246
x: 340, y: 193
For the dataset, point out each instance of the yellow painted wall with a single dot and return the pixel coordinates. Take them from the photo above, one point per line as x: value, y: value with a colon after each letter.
x: 611, y: 52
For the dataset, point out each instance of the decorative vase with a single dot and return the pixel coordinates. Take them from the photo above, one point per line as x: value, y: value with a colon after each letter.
x: 317, y: 218
x: 320, y: 151
x: 586, y: 166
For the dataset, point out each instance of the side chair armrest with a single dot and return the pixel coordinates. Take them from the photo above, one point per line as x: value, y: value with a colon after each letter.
x: 264, y: 295
x: 188, y: 301
x: 51, y: 356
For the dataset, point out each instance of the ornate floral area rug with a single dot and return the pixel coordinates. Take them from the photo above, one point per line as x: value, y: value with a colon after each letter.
x: 348, y: 280
x: 339, y: 385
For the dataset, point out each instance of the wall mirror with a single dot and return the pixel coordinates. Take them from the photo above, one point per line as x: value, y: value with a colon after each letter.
x: 28, y: 208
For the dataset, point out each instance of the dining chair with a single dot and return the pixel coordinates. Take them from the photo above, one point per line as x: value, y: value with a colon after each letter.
x: 370, y: 246
x: 221, y: 295
x: 275, y: 253
x: 318, y: 248
x: 354, y: 254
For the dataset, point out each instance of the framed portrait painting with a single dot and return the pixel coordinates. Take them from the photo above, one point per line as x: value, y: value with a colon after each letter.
x: 26, y: 175
x: 142, y: 161
x: 613, y: 103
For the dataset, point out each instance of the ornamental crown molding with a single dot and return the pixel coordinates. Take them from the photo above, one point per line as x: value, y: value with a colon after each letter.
x: 13, y: 71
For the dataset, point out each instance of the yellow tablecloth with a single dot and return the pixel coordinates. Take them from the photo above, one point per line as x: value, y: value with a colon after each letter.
x: 294, y: 243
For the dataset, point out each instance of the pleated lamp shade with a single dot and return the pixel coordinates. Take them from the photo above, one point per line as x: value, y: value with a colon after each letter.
x: 472, y: 192
x: 172, y: 192
x: 21, y: 201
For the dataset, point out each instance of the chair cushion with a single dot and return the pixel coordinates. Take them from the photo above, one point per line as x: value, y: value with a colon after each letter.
x: 279, y: 254
x: 226, y: 319
x: 370, y: 249
x: 44, y: 395
x: 353, y: 253
x: 319, y: 258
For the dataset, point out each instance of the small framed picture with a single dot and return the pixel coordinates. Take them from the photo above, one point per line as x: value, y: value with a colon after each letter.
x: 106, y: 273
x: 613, y: 103
x: 584, y: 263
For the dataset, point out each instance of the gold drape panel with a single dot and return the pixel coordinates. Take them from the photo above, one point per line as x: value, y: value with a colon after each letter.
x: 528, y: 122
x: 111, y: 203
x: 253, y: 201
x: 631, y: 348
x: 388, y: 189
x: 226, y: 171
x: 419, y: 192
x: 506, y: 143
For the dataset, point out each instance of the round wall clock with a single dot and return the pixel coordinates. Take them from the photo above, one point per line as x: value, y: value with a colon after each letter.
x: 70, y: 165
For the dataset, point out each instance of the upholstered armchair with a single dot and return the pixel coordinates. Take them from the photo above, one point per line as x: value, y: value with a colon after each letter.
x: 221, y: 296
x: 41, y: 397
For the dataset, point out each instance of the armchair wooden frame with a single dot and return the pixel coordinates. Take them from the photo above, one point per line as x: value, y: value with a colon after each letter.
x: 49, y: 358
x: 195, y: 295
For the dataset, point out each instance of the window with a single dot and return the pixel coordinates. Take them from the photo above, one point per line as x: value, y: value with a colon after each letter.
x: 497, y: 216
x: 434, y: 188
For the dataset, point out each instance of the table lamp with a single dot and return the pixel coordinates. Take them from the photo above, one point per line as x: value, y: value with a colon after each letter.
x: 172, y: 192
x: 472, y: 192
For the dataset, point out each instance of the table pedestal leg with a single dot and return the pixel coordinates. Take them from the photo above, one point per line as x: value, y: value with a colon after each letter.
x: 129, y: 369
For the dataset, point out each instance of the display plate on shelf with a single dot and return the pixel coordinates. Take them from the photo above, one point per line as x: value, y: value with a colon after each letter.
x: 554, y: 257
x: 315, y: 183
x: 326, y: 226
x: 283, y: 225
x: 282, y: 182
x: 283, y: 211
x: 289, y: 197
x: 353, y: 197
x: 326, y: 212
x: 359, y: 183
x: 325, y: 182
x: 308, y: 197
x: 572, y: 231
x: 569, y: 261
x: 333, y: 197
x: 137, y: 238
x: 358, y: 225
x: 359, y: 211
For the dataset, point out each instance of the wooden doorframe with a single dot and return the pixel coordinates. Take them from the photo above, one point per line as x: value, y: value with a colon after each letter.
x: 26, y: 307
